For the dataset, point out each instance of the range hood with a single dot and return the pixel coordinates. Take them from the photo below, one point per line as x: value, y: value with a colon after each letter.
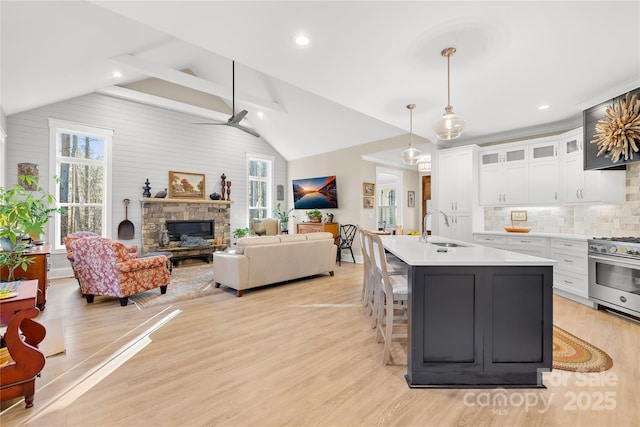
x: 590, y: 119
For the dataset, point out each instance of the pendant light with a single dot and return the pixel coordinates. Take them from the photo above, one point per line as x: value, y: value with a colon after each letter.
x: 449, y: 125
x: 411, y: 155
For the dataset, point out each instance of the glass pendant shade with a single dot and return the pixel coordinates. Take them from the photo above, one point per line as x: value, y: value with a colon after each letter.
x: 449, y: 125
x: 411, y: 155
x: 424, y: 164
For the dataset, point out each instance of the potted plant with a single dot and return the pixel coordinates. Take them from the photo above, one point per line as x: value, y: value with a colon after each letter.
x: 23, y: 214
x: 314, y: 215
x: 240, y: 232
x: 283, y: 216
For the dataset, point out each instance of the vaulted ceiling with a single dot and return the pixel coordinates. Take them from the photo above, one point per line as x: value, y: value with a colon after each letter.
x: 350, y: 85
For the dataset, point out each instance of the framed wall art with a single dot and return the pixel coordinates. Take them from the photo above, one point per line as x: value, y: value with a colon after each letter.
x: 368, y: 189
x: 411, y: 199
x: 368, y: 202
x: 186, y: 185
x: 518, y: 215
x: 279, y: 192
x: 28, y: 169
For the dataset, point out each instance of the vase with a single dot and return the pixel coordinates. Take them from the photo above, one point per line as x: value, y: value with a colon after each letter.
x: 164, y: 238
x: 284, y: 226
x: 315, y: 219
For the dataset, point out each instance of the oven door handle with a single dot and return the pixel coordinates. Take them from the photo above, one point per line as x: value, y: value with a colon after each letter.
x: 616, y: 261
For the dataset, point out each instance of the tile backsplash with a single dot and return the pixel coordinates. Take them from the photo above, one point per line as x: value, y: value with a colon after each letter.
x: 594, y: 220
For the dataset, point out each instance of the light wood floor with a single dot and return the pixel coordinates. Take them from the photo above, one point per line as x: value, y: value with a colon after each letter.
x: 300, y: 354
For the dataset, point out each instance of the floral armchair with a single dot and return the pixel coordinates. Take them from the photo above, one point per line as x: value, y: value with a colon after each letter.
x: 132, y: 250
x: 104, y: 267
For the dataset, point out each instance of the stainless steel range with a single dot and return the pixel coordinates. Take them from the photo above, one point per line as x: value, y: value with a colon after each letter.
x: 614, y: 273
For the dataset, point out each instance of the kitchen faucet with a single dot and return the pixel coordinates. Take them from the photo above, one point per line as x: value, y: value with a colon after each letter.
x: 425, y: 234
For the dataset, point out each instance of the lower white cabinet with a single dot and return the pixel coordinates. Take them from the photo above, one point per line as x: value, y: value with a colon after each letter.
x: 536, y: 246
x: 570, y: 272
x: 498, y: 242
x: 570, y: 276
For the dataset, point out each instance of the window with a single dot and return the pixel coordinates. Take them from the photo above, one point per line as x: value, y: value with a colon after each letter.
x: 388, y: 197
x: 82, y: 164
x: 260, y: 185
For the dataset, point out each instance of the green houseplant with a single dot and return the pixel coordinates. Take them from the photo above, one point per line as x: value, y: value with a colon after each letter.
x: 22, y: 214
x: 314, y: 215
x: 283, y: 216
x: 240, y: 232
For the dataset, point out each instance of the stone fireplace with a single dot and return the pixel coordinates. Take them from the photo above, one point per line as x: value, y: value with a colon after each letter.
x: 156, y: 212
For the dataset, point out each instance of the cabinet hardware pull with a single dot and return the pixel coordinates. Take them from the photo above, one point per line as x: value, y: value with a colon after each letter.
x: 577, y: 193
x: 567, y: 281
x: 568, y: 260
x: 581, y: 196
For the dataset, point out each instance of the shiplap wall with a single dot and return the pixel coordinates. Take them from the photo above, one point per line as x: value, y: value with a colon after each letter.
x: 148, y: 142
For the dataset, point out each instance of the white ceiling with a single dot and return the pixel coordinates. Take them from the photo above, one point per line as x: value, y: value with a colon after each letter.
x: 366, y: 61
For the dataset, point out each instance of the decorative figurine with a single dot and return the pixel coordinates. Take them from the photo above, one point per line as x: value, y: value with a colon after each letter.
x: 214, y: 196
x: 147, y: 189
x: 161, y: 194
x: 223, y: 177
x: 228, y: 190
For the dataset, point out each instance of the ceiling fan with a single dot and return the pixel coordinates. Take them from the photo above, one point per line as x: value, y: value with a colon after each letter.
x: 235, y: 119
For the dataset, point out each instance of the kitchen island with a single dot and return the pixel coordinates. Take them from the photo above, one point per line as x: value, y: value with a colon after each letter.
x: 478, y: 316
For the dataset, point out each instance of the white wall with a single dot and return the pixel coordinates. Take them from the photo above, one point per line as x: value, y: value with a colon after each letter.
x: 148, y: 142
x: 351, y: 171
x: 3, y: 135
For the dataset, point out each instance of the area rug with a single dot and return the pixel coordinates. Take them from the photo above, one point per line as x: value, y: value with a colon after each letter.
x: 187, y: 282
x: 570, y: 353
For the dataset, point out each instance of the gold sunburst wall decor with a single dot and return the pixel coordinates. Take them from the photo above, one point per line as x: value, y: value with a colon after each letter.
x: 618, y: 132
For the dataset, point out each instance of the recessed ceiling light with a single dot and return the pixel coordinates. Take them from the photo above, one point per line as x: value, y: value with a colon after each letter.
x: 260, y: 114
x: 116, y: 74
x: 302, y: 40
x: 543, y: 107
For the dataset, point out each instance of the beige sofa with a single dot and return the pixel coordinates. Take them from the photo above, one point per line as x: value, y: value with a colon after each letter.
x: 264, y: 260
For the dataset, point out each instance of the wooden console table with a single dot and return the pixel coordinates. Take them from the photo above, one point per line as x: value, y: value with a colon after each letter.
x: 317, y: 227
x: 203, y: 252
x: 17, y: 378
x: 37, y: 270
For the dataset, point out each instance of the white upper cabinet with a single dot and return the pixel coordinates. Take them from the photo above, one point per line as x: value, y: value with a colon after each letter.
x: 580, y: 186
x: 503, y: 176
x: 544, y: 186
x: 456, y: 193
x: 455, y: 181
x: 545, y: 171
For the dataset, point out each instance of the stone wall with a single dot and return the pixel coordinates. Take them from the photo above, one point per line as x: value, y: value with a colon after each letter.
x: 156, y: 212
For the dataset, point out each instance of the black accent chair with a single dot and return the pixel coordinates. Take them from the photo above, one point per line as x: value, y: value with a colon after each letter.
x: 345, y: 240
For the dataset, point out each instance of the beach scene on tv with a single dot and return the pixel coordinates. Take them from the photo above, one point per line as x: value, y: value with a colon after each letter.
x: 315, y: 193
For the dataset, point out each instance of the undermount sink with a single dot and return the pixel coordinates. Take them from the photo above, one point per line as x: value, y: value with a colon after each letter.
x: 447, y: 244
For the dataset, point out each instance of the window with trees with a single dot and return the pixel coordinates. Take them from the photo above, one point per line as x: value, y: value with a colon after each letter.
x: 82, y: 165
x: 260, y: 185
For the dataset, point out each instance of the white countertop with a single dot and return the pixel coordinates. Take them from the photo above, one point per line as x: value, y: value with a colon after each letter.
x: 410, y: 250
x: 537, y: 234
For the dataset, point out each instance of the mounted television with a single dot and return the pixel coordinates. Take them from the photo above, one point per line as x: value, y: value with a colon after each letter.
x: 315, y: 193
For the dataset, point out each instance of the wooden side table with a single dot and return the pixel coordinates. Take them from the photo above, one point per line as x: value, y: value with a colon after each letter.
x: 37, y: 270
x: 18, y: 377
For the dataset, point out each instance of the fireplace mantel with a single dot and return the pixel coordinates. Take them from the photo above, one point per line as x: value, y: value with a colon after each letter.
x: 165, y: 200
